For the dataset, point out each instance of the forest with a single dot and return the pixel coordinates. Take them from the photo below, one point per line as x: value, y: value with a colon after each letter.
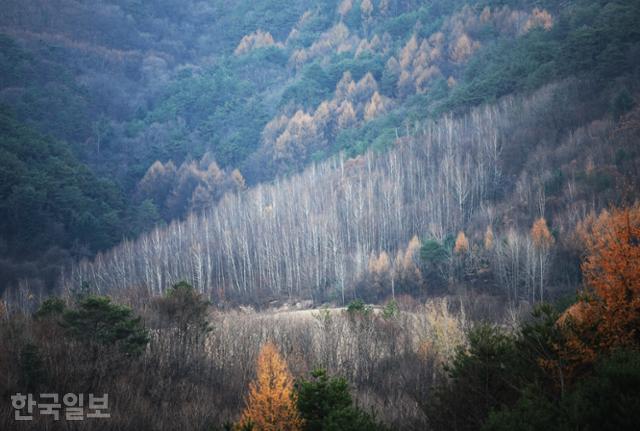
x: 333, y: 215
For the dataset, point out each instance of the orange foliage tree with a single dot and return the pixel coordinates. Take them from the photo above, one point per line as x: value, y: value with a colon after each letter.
x: 379, y: 273
x: 271, y: 404
x: 540, y: 234
x: 612, y: 274
x: 488, y: 238
x: 406, y: 271
x: 461, y: 245
x: 608, y: 317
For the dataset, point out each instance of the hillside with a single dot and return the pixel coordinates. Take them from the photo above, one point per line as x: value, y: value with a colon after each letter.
x: 176, y: 105
x: 350, y: 223
x: 320, y: 215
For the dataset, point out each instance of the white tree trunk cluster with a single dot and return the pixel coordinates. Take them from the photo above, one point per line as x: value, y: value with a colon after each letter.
x: 311, y: 235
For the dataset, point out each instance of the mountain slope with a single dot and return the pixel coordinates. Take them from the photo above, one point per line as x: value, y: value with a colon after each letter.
x: 178, y: 104
x: 343, y: 229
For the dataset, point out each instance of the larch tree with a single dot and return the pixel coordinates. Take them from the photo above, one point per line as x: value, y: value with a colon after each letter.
x: 157, y: 181
x: 238, y: 179
x: 488, y: 238
x: 461, y: 250
x: 271, y: 404
x: 539, y: 18
x: 375, y: 107
x: 406, y: 271
x: 408, y: 52
x: 608, y: 317
x: 379, y: 273
x: 366, y: 10
x: 347, y: 115
x: 462, y: 48
x: 345, y: 7
x: 342, y: 87
x: 258, y: 39
x: 612, y: 274
x: 393, y: 66
x: 365, y: 88
x: 462, y: 244
x: 366, y: 7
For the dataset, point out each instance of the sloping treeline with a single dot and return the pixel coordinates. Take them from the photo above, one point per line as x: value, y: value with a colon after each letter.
x: 312, y: 235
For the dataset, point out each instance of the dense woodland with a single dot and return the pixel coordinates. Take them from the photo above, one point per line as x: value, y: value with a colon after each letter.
x: 346, y: 229
x: 170, y: 107
x: 380, y: 205
x: 470, y: 364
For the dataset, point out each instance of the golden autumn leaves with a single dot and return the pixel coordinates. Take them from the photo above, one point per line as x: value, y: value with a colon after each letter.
x: 540, y: 236
x: 607, y: 318
x: 612, y: 273
x: 271, y: 404
x: 288, y: 139
x: 461, y: 245
x: 256, y: 40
